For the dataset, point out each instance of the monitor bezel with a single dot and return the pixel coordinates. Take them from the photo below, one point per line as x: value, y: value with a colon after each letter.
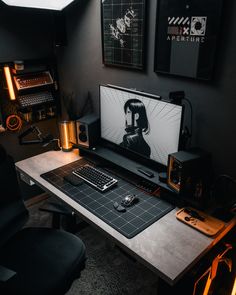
x: 132, y: 155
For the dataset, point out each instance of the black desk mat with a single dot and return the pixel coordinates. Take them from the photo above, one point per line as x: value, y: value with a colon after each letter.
x: 136, y: 218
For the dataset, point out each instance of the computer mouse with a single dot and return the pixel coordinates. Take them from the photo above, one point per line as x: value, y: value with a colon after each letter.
x: 129, y: 200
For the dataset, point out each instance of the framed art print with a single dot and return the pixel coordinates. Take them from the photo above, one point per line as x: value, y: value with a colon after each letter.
x: 186, y: 37
x: 123, y: 30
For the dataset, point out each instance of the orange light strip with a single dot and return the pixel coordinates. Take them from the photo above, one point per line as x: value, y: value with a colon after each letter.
x: 234, y: 288
x: 9, y: 83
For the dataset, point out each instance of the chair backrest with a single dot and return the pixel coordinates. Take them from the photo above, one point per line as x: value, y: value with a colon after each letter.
x: 13, y: 214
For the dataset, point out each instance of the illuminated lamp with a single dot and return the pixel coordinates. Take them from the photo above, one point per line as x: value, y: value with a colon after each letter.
x: 67, y: 135
x: 9, y: 83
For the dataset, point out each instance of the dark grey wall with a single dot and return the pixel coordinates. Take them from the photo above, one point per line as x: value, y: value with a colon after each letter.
x: 25, y: 34
x: 214, y: 102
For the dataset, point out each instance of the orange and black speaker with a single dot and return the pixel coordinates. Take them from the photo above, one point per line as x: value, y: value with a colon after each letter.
x: 189, y: 175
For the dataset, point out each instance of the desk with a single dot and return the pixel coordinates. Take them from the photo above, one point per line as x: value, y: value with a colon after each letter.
x: 168, y: 247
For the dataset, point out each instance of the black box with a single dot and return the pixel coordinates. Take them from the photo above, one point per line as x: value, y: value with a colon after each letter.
x: 189, y: 175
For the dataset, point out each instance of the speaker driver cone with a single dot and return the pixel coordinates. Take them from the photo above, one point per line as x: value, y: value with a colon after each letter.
x: 83, y: 137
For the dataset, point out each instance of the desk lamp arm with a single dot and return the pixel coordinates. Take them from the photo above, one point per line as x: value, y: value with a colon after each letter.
x: 45, y: 140
x: 31, y: 129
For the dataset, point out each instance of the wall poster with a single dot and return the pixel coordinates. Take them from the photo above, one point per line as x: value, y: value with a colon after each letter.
x: 186, y: 36
x: 123, y: 30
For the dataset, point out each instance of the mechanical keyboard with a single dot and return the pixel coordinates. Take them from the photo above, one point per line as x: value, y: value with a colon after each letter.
x: 31, y: 80
x: 35, y: 98
x: 95, y: 177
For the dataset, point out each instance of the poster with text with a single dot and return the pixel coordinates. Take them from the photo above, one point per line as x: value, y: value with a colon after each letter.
x: 186, y: 37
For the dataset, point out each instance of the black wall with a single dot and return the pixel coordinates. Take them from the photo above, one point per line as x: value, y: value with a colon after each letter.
x: 214, y: 102
x: 26, y: 34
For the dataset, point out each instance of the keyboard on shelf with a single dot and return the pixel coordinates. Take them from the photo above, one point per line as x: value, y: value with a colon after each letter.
x: 35, y: 98
x: 31, y: 80
x: 95, y: 177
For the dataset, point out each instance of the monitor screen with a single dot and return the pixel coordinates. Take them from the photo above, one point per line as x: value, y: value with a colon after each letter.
x: 140, y: 122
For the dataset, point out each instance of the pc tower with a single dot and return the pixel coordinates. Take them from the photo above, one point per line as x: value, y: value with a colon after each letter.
x: 189, y: 175
x: 88, y: 131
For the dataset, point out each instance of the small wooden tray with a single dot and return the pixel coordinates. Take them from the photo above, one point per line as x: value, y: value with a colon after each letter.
x: 206, y: 224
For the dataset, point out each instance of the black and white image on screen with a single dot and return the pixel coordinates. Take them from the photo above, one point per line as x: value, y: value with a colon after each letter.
x: 159, y: 129
x: 136, y: 123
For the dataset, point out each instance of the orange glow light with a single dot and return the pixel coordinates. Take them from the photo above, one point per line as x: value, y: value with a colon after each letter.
x: 64, y: 131
x: 234, y: 288
x: 9, y: 83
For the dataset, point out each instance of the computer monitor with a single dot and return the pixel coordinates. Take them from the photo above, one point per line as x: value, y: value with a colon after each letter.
x: 140, y: 123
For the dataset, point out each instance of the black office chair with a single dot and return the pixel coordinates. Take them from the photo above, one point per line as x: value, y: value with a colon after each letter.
x: 33, y: 261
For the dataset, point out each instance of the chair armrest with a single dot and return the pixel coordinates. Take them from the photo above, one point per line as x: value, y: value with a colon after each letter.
x: 63, y: 216
x: 6, y: 274
x: 57, y: 208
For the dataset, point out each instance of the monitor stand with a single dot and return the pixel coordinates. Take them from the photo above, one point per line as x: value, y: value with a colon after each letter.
x: 127, y: 164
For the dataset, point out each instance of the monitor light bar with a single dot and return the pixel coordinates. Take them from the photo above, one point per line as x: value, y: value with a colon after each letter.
x: 42, y: 4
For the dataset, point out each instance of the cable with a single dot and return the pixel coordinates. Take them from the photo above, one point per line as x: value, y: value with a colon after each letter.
x: 13, y: 123
x: 177, y: 97
x: 230, y: 178
x: 191, y: 116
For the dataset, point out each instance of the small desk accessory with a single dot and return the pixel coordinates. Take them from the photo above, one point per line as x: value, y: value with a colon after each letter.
x: 200, y: 221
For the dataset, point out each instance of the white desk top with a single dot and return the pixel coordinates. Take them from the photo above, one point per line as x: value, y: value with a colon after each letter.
x: 168, y: 247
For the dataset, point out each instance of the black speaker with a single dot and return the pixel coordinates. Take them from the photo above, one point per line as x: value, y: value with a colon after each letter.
x: 87, y: 129
x: 189, y: 175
